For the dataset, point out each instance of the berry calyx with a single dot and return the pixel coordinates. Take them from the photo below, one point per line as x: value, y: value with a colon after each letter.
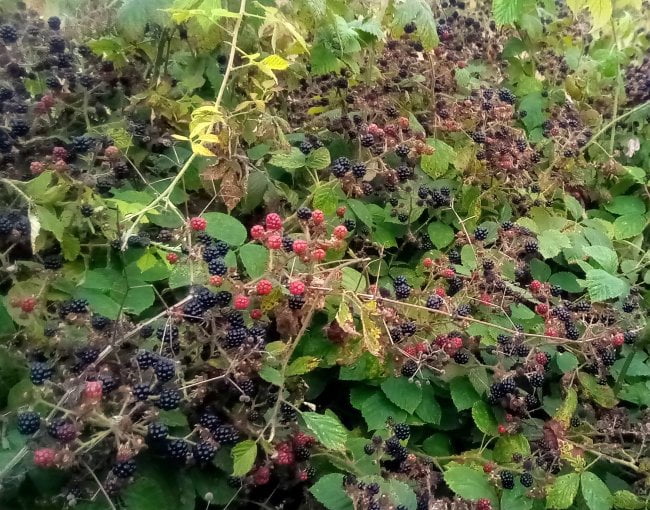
x: 241, y: 302
x: 263, y: 287
x: 297, y: 288
x: 198, y: 224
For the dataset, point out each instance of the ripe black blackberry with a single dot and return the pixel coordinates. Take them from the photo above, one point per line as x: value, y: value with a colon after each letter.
x: 531, y: 246
x: 373, y: 488
x: 367, y: 140
x: 369, y: 449
x: 410, y: 27
x: 461, y: 357
x: 556, y: 290
x: 206, y: 298
x: 581, y: 306
x: 56, y: 44
x: 359, y: 170
x: 217, y: 267
x: 124, y: 469
x: 209, y: 421
x: 164, y: 369
x: 629, y: 306
x: 434, y: 302
x: 531, y: 402
x: 402, y: 151
x: 169, y: 399
x: 203, y: 452
x: 193, y: 310
x: 54, y: 22
x: 296, y: 302
x: 302, y: 453
x: 28, y: 422
x: 455, y: 285
x: 526, y: 479
x: 109, y: 382
x: 305, y: 147
x: 507, y: 96
x: 350, y: 224
x: 39, y: 373
x: 141, y: 391
x: 454, y: 256
x: 223, y: 298
x: 403, y: 217
x: 395, y: 449
x: 478, y: 136
x: 145, y: 359
x: 507, y: 480
x: 235, y: 337
x: 62, y: 430
x: 8, y: 34
x: 86, y: 210
x: 404, y: 172
x: 571, y: 331
x: 178, y: 449
x: 304, y: 213
x: 226, y: 434
x: 157, y: 431
x: 402, y: 431
x: 536, y: 379
x: 463, y: 310
x: 410, y: 368
x: 630, y: 337
x: 562, y: 313
x: 508, y: 386
x: 99, y: 322
x: 18, y: 128
x: 408, y: 328
x: 167, y: 333
x: 402, y: 291
x: 247, y: 386
x: 82, y: 144
x: 53, y: 262
x: 340, y: 166
x: 608, y: 357
x: 288, y: 412
x: 481, y: 233
x: 575, y: 421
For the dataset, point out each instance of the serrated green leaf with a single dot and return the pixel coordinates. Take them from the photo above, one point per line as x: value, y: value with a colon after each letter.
x: 463, y: 393
x: 436, y: 165
x: 403, y: 393
x: 629, y: 225
x: 627, y: 500
x: 429, y: 410
x: 484, y: 419
x: 441, y: 234
x: 603, y: 286
x: 272, y: 375
x: 255, y: 258
x: 318, y: 159
x: 243, y: 456
x: 469, y: 483
x: 302, y: 365
x: 551, y: 243
x: 601, y: 12
x: 325, y: 198
x: 226, y: 228
x: 506, y: 12
x: 507, y: 446
x: 563, y: 491
x: 605, y: 256
x: 602, y: 395
x: 289, y: 160
x: 595, y: 492
x: 327, y: 429
x: 626, y: 204
x: 329, y: 491
x: 568, y: 408
x: 361, y: 211
x: 377, y: 409
x: 566, y: 361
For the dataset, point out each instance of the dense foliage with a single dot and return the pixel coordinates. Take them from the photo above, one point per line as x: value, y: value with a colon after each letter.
x: 373, y: 255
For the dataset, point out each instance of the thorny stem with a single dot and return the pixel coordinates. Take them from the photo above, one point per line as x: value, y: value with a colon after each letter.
x: 99, y: 484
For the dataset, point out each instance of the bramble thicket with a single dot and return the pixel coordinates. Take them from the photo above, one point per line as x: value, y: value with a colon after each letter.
x: 324, y: 254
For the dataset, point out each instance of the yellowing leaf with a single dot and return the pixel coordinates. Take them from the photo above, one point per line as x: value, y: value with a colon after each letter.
x: 601, y: 12
x: 275, y: 62
x: 371, y: 332
x: 197, y: 148
x: 568, y: 407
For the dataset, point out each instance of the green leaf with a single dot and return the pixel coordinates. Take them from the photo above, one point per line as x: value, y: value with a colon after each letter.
x: 566, y: 281
x: 38, y: 186
x: 441, y: 234
x: 70, y: 245
x: 50, y: 222
x: 437, y: 445
x: 361, y: 211
x: 626, y: 204
x: 352, y: 279
x: 469, y: 483
x: 627, y: 500
x: 318, y: 159
x: 521, y: 312
x: 506, y: 12
x: 272, y: 375
x: 436, y: 165
x: 605, y: 256
x: 629, y: 225
x: 377, y: 409
x: 302, y: 365
x: 402, y: 393
x: 243, y: 456
x: 327, y: 429
x: 463, y: 393
x: 516, y: 499
x: 329, y: 491
x: 100, y: 303
x: 567, y: 408
x: 540, y: 270
x: 563, y: 491
x: 468, y: 257
x: 255, y: 258
x: 551, y: 243
x: 343, y: 38
x: 429, y: 411
x: 226, y: 228
x: 602, y: 395
x: 566, y: 361
x: 147, y: 261
x: 289, y: 160
x: 133, y: 16
x: 532, y: 104
x: 603, y: 286
x: 325, y: 198
x: 595, y: 492
x: 484, y: 419
x: 6, y: 324
x: 507, y: 446
x: 573, y: 206
x: 601, y: 12
x: 420, y: 12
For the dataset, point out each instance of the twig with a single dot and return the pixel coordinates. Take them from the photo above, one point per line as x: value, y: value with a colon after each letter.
x: 99, y: 484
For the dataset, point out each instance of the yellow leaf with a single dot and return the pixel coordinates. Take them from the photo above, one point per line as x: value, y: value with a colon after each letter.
x: 371, y: 332
x: 224, y: 13
x: 576, y: 5
x: 210, y: 138
x: 345, y: 319
x: 199, y: 128
x: 601, y: 12
x: 568, y: 407
x: 197, y: 148
x: 275, y: 62
x: 179, y: 137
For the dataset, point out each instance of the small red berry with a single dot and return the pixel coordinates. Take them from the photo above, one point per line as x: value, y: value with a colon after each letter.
x: 318, y: 255
x: 256, y: 314
x: 197, y: 223
x: 427, y: 262
x: 551, y: 331
x: 485, y: 298
x: 216, y: 280
x: 403, y: 123
x: 302, y: 439
x: 300, y: 246
x: 112, y: 152
x: 48, y: 100
x: 340, y: 212
x: 44, y: 457
x: 172, y: 258
x: 484, y: 504
x: 535, y: 286
x: 302, y: 475
x: 264, y: 287
x: 618, y: 339
x: 340, y: 232
x: 28, y: 304
x: 317, y: 216
x: 93, y: 391
x: 274, y: 242
x: 284, y: 454
x: 262, y: 475
x: 273, y: 221
x: 488, y: 468
x: 60, y: 165
x: 297, y: 288
x: 257, y: 232
x: 36, y: 167
x: 241, y: 302
x: 448, y: 273
x: 541, y: 358
x: 502, y: 429
x: 541, y: 309
x: 60, y: 153
x: 441, y: 292
x: 372, y: 128
x: 411, y: 350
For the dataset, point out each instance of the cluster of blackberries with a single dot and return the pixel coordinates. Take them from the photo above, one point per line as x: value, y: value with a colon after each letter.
x: 73, y: 306
x: 402, y: 288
